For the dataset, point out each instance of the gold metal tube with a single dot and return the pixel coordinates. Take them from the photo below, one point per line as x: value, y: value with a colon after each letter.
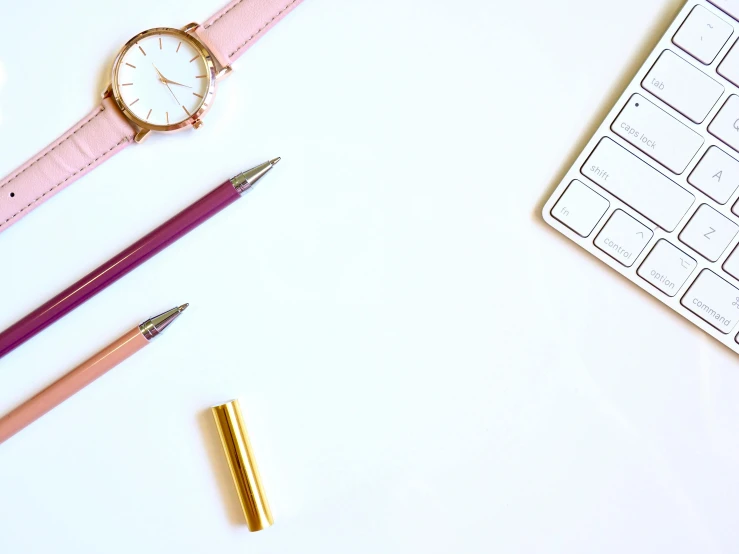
x: 243, y: 465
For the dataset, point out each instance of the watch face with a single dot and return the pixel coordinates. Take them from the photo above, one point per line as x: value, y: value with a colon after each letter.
x: 163, y: 79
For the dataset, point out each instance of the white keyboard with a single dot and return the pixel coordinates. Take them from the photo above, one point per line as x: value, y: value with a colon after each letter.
x: 655, y: 194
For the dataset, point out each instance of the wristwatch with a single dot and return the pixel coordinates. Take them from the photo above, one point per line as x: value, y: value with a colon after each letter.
x: 163, y: 80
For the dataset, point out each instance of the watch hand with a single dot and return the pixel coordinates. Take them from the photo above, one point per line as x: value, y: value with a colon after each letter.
x: 161, y: 77
x: 165, y: 80
x: 170, y: 90
x: 175, y: 83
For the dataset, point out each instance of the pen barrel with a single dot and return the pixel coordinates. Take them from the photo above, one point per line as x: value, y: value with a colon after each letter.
x: 117, y: 267
x: 71, y: 383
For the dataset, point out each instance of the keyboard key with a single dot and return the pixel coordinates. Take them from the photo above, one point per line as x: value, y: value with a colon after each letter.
x: 709, y: 233
x: 580, y: 208
x: 638, y: 184
x: 731, y: 266
x: 729, y: 67
x: 703, y: 35
x: 725, y: 126
x: 714, y: 300
x: 729, y: 6
x: 623, y: 238
x: 653, y: 182
x: 667, y: 268
x: 717, y: 175
x: 683, y: 86
x: 656, y: 133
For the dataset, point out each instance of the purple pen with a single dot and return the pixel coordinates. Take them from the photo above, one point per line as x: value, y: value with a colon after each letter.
x: 131, y: 257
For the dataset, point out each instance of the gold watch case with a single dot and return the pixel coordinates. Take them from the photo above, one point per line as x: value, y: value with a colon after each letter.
x: 195, y: 119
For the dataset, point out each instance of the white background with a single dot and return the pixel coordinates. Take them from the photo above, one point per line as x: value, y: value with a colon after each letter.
x: 423, y: 364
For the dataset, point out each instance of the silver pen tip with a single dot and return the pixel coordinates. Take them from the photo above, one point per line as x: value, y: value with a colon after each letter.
x: 247, y: 179
x: 156, y: 325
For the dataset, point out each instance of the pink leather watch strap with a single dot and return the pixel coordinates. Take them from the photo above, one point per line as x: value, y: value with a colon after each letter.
x: 105, y: 131
x: 95, y: 138
x: 231, y: 31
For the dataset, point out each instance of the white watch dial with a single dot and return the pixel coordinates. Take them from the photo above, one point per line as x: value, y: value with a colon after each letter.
x: 163, y: 79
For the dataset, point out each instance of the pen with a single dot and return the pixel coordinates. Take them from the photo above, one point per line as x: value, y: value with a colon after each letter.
x: 85, y: 373
x: 131, y: 257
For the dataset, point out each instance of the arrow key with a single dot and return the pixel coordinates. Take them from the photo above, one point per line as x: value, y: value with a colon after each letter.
x: 623, y: 238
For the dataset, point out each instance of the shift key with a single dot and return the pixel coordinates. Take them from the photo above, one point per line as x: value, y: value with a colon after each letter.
x: 639, y: 185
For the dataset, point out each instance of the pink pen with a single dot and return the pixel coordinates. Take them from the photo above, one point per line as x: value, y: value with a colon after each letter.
x: 131, y: 257
x: 85, y: 373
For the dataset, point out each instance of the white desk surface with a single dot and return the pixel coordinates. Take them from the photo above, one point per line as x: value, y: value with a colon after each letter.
x: 424, y: 365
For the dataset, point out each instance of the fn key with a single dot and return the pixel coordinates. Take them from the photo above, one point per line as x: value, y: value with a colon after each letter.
x: 580, y: 208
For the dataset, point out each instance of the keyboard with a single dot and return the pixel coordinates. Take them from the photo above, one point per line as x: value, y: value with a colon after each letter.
x: 655, y: 193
